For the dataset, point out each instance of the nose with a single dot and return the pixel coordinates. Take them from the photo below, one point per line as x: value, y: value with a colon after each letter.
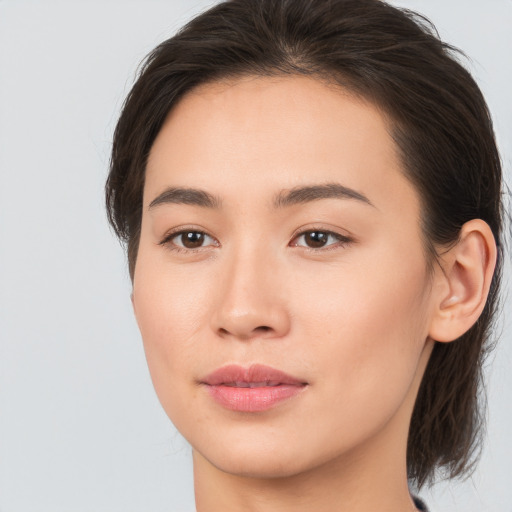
x: 252, y: 301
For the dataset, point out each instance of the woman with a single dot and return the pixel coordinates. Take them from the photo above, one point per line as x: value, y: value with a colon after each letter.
x: 309, y: 191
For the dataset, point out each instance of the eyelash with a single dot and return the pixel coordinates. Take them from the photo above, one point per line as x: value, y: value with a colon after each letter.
x: 342, y: 240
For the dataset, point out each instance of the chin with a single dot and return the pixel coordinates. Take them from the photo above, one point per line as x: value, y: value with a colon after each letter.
x: 256, y: 457
x: 271, y: 466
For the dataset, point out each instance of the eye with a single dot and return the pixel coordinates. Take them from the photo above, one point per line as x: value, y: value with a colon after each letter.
x: 188, y: 239
x: 317, y: 239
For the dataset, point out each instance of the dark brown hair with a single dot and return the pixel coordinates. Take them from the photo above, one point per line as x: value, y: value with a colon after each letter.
x: 440, y: 123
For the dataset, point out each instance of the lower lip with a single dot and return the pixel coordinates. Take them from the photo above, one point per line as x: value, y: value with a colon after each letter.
x: 252, y: 399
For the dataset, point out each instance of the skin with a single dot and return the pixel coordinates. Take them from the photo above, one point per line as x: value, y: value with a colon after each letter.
x: 353, y: 318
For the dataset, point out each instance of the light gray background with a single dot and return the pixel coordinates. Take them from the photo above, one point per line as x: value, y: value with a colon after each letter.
x: 80, y: 426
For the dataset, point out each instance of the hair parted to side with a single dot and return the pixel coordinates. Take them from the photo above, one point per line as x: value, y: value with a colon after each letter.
x: 440, y: 123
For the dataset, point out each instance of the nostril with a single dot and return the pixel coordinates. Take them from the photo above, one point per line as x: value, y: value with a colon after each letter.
x: 263, y: 328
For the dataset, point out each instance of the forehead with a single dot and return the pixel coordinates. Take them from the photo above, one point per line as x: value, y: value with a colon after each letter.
x: 274, y: 132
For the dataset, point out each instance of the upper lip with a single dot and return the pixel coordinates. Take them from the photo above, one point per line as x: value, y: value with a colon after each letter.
x: 262, y: 375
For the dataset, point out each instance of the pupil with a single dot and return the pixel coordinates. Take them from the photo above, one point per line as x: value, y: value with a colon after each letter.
x: 316, y: 238
x: 192, y: 239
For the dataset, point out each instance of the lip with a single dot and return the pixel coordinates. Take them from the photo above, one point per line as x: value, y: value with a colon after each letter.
x: 253, y: 389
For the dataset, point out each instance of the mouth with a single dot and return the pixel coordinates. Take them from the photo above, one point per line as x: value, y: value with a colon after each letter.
x: 253, y: 389
x: 242, y: 384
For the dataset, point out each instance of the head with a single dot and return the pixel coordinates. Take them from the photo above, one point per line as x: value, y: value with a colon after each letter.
x: 394, y: 98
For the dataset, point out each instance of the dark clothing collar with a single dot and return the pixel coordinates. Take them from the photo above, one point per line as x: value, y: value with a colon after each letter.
x: 419, y: 504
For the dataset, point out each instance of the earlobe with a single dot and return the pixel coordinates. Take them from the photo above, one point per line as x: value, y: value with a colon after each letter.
x: 464, y: 281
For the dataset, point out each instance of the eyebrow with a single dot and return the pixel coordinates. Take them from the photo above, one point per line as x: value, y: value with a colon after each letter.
x: 300, y: 195
x: 177, y: 195
x: 291, y: 197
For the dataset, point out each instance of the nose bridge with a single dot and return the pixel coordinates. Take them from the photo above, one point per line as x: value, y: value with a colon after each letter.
x: 250, y: 303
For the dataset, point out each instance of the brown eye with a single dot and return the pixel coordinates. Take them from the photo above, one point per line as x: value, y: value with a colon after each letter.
x: 192, y: 239
x: 316, y: 239
x: 189, y: 240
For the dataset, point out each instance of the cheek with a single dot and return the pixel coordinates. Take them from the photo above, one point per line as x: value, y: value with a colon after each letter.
x: 171, y: 310
x: 367, y: 324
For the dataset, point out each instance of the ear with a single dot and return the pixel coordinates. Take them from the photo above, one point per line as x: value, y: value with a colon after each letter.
x: 463, y: 282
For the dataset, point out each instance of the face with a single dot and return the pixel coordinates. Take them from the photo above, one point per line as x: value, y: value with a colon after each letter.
x: 281, y: 286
